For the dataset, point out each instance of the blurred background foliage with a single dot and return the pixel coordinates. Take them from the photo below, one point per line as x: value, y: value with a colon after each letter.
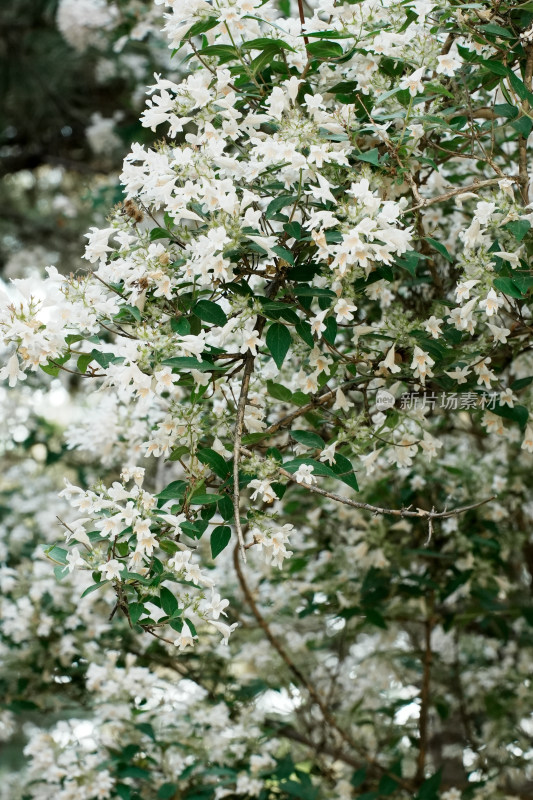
x: 68, y: 113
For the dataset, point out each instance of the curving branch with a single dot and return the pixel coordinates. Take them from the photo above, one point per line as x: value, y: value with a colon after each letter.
x: 420, y: 513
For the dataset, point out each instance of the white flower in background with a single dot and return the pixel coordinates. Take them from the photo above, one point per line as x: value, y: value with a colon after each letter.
x: 12, y: 371
x: 225, y: 630
x: 447, y: 65
x: 527, y: 443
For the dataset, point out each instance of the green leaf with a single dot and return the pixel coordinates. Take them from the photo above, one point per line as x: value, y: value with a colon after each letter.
x: 305, y: 791
x: 93, y: 588
x: 178, y: 452
x: 213, y: 460
x: 159, y: 233
x: 205, y: 499
x: 343, y: 468
x: 507, y: 286
x: 210, y: 312
x: 169, y: 604
x: 284, y: 254
x: 523, y: 126
x: 518, y: 228
x: 224, y: 52
x: 295, y: 230
x: 430, y: 788
x: 278, y: 341
x: 505, y: 110
x: 135, y: 610
x: 313, y: 291
x: 496, y: 67
x: 167, y: 791
x: 303, y: 329
x: 520, y: 88
x: 518, y: 414
x: 372, y: 157
x: 279, y: 392
x: 359, y: 777
x: 278, y: 203
x: 176, y: 489
x: 440, y: 248
x: 264, y: 43
x: 325, y: 49
x: 202, y: 26
x: 57, y: 554
x: 220, y: 539
x: 60, y: 572
x: 83, y: 362
x: 188, y: 362
x: 521, y: 383
x: 308, y: 439
x: 497, y: 30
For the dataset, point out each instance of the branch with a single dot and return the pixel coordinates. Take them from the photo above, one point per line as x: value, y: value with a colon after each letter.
x: 462, y: 190
x: 241, y: 406
x: 522, y: 140
x: 329, y: 719
x: 420, y: 513
x: 424, y: 693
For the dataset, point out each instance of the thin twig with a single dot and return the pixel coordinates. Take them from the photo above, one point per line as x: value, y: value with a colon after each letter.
x: 329, y: 719
x: 420, y: 513
x: 462, y: 190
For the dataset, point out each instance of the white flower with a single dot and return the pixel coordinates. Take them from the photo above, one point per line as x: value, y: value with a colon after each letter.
x: 111, y: 569
x: 459, y: 374
x: 185, y: 639
x: 491, y: 303
x: 413, y: 82
x: 264, y: 488
x: 341, y: 401
x: 12, y: 371
x: 304, y: 475
x: 462, y: 290
x: 527, y: 444
x: 328, y: 453
x: 447, y: 65
x: 499, y: 334
x: 421, y: 364
x: 216, y: 605
x: 225, y: 630
x: 389, y: 362
x: 97, y: 247
x: 432, y: 326
x: 74, y: 559
x: 343, y: 310
x: 250, y: 339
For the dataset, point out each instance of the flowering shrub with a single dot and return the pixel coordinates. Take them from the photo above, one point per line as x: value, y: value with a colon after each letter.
x: 304, y: 344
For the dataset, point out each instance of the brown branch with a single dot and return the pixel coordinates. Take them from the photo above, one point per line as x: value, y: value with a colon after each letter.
x: 421, y: 513
x: 425, y: 692
x: 328, y: 717
x: 302, y: 20
x: 241, y: 406
x: 522, y: 140
x: 462, y: 190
